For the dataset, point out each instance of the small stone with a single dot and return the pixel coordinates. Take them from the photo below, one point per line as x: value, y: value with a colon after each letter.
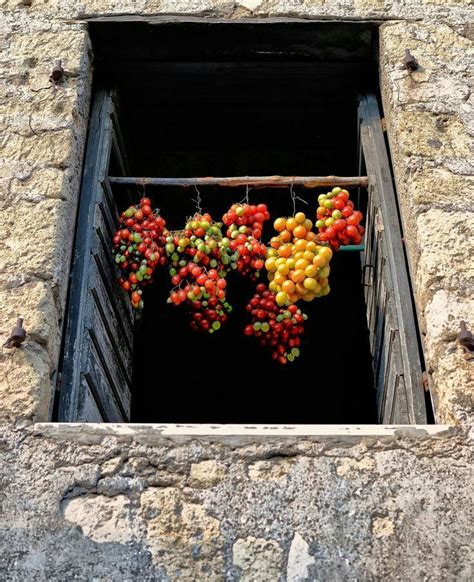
x: 207, y: 473
x: 382, y: 527
x: 111, y: 466
x: 299, y: 560
x: 259, y: 559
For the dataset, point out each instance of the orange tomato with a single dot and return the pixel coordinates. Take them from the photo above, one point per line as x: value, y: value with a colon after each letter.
x: 311, y: 235
x: 300, y: 232
x: 319, y: 261
x: 300, y: 245
x: 311, y: 271
x: 326, y: 252
x: 279, y: 224
x: 291, y: 224
x: 284, y: 251
x: 301, y: 290
x: 298, y: 276
x: 279, y: 279
x: 275, y: 243
x: 300, y: 217
x: 288, y: 287
x: 283, y: 269
x: 285, y: 236
x: 301, y: 264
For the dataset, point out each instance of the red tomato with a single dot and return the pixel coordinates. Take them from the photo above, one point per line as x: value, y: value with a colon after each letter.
x: 353, y: 219
x: 136, y: 297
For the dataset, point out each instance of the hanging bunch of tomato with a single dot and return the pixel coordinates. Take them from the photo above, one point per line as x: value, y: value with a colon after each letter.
x: 337, y: 221
x: 298, y: 268
x: 200, y: 258
x: 276, y: 327
x: 139, y: 248
x: 244, y: 229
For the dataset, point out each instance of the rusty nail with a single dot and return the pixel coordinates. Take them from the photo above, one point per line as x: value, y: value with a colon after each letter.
x: 57, y: 73
x: 409, y: 61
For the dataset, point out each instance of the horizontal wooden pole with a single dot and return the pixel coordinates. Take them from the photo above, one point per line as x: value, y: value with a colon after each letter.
x: 251, y: 181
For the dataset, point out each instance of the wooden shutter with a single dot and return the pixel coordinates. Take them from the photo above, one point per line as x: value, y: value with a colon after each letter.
x: 97, y: 364
x: 390, y: 313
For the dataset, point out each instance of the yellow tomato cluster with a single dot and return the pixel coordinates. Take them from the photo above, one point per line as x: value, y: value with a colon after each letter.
x: 297, y: 267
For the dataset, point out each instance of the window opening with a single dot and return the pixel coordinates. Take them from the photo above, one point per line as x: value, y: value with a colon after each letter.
x: 358, y: 365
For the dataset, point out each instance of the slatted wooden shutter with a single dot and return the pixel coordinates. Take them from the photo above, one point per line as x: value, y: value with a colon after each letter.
x: 97, y: 366
x: 390, y: 313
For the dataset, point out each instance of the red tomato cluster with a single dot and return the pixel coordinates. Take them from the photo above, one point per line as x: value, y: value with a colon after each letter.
x: 198, y: 258
x: 244, y: 229
x: 279, y: 328
x: 337, y: 221
x: 139, y: 248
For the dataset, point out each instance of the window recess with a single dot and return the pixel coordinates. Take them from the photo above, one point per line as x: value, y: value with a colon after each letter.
x: 366, y: 330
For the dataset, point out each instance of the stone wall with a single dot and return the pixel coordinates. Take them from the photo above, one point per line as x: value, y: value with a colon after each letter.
x: 132, y: 504
x: 126, y: 506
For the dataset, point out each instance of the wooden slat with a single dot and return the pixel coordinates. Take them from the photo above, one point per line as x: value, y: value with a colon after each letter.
x: 397, y: 362
x: 94, y: 377
x: 89, y: 411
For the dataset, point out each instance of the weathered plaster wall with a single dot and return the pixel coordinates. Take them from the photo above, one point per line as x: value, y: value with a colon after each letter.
x: 131, y: 507
x: 137, y: 506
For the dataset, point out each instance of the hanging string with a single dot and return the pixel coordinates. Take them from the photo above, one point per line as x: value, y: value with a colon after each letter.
x: 246, y: 197
x: 197, y: 200
x: 294, y: 198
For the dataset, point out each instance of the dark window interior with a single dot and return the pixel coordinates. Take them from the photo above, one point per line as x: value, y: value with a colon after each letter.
x: 233, y: 100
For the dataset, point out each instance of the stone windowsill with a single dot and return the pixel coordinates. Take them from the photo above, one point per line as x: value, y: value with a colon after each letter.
x: 236, y: 434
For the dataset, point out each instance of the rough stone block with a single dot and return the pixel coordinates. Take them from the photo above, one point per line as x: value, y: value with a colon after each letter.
x: 37, y: 239
x: 34, y: 301
x: 259, y: 559
x: 446, y: 244
x: 206, y: 473
x: 68, y: 44
x: 182, y: 537
x: 103, y: 519
x: 25, y: 380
